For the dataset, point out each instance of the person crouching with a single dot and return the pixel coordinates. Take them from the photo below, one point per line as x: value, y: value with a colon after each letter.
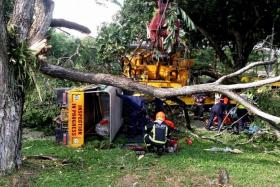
x: 218, y: 109
x: 156, y: 133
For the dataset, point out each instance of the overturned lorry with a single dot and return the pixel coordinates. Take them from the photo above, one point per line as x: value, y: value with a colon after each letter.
x: 86, y: 111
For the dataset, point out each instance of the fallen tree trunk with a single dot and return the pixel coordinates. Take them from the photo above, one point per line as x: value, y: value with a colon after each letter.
x: 128, y: 84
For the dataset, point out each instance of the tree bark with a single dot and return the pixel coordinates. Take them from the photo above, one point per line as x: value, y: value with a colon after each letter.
x: 32, y: 19
x: 11, y: 103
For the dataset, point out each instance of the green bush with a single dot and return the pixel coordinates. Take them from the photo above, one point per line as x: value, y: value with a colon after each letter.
x: 39, y: 114
x: 269, y: 101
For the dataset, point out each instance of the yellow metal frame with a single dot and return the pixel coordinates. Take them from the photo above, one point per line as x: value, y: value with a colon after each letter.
x: 277, y: 84
x: 173, y: 73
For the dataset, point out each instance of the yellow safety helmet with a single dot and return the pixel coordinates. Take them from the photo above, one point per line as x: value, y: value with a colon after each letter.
x: 160, y: 116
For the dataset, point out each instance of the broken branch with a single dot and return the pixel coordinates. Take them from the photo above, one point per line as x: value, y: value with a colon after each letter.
x: 69, y: 25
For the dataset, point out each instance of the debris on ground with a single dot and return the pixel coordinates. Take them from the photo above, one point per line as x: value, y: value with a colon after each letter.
x: 226, y: 149
x: 50, y: 158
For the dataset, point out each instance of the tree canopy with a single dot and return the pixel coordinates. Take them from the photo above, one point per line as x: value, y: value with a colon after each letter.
x: 236, y: 24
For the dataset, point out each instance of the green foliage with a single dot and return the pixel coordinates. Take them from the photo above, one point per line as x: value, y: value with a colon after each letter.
x: 207, y: 59
x: 269, y: 101
x: 110, y: 47
x: 204, y: 56
x: 174, y: 15
x: 22, y: 58
x: 133, y: 19
x: 40, y: 114
x: 72, y: 52
x: 129, y: 26
x: 236, y: 24
x: 256, y: 56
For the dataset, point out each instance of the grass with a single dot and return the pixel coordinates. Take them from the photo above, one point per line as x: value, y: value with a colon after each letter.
x: 191, y: 166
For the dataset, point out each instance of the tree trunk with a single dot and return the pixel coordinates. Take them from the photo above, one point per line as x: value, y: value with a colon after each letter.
x: 28, y: 30
x: 242, y: 49
x: 11, y: 102
x: 10, y: 128
x: 32, y: 19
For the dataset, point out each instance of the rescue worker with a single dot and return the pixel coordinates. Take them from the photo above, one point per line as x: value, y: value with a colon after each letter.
x: 242, y: 112
x: 158, y: 132
x: 218, y: 109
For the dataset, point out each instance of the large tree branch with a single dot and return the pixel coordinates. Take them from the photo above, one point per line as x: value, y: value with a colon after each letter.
x: 74, y: 75
x: 125, y: 83
x: 69, y: 25
x: 122, y: 82
x: 252, y: 84
x: 246, y: 68
x: 128, y: 84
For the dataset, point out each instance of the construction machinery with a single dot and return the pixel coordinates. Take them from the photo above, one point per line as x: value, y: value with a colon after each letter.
x: 169, y: 72
x: 153, y: 65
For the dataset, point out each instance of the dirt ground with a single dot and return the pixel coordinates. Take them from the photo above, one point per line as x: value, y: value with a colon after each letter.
x: 197, y: 124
